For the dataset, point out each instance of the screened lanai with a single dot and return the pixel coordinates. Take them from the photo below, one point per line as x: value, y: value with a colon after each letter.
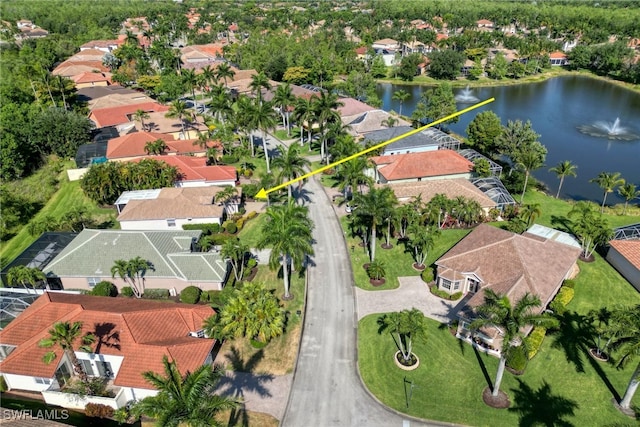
x: 444, y: 139
x: 13, y: 302
x: 627, y: 232
x: 495, y: 190
x: 472, y: 155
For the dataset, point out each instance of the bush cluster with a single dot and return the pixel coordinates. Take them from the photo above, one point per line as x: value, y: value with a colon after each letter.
x: 562, y: 299
x: 445, y: 295
x: 427, y: 275
x: 98, y: 410
x: 209, y: 228
x: 534, y: 341
x: 569, y: 283
x: 190, y: 295
x: 517, y: 359
x: 105, y: 289
x: 127, y: 291
x: 228, y: 159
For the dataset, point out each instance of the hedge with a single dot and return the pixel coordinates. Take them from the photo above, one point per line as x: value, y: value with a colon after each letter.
x: 231, y: 227
x: 127, y: 291
x: 565, y: 295
x: 3, y: 384
x: 156, y: 294
x: 221, y: 239
x: 427, y: 275
x: 517, y: 359
x: 240, y: 223
x: 569, y: 283
x: 445, y: 295
x: 190, y: 295
x: 208, y: 228
x: 534, y: 341
x: 105, y: 289
x: 252, y: 214
x: 228, y: 159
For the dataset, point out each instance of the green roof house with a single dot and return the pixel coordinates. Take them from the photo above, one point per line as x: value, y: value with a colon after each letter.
x: 88, y: 259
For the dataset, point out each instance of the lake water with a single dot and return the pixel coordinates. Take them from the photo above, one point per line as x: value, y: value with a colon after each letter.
x: 558, y: 108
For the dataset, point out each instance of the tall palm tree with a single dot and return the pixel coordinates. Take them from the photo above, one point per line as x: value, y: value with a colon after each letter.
x: 626, y: 344
x: 190, y: 81
x: 184, y: 400
x: 264, y: 118
x: 510, y: 320
x: 608, y: 181
x: 132, y: 272
x: 225, y: 72
x: 65, y: 335
x: 258, y: 82
x: 406, y: 325
x: 282, y: 99
x: 220, y: 104
x: 243, y: 119
x: 400, y: 96
x: 209, y: 76
x: 24, y: 276
x: 629, y: 192
x: 351, y: 174
x: 140, y: 116
x: 422, y: 240
x: 287, y: 231
x: 291, y: 165
x: 178, y: 110
x: 235, y: 252
x: 325, y: 107
x: 563, y: 169
x: 530, y: 212
x: 375, y: 206
x: 530, y: 160
x: 303, y: 112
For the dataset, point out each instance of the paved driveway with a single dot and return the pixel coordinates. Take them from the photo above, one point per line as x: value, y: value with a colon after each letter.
x: 413, y: 292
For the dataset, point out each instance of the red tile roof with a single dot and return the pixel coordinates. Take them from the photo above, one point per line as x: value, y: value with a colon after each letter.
x: 112, y: 116
x: 419, y: 165
x: 196, y: 169
x: 133, y: 144
x: 89, y: 77
x: 629, y: 249
x: 145, y: 330
x: 557, y: 55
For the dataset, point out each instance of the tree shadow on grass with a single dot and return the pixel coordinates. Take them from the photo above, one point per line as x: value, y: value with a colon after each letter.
x: 541, y: 407
x: 483, y: 368
x: 561, y: 223
x: 574, y: 337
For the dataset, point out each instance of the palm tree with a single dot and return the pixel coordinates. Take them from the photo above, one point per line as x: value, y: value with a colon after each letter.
x: 404, y: 326
x: 291, y: 165
x: 351, y: 174
x: 140, y: 116
x: 375, y: 207
x: 283, y: 99
x: 177, y: 110
x: 400, y: 96
x: 510, y: 321
x: 132, y: 272
x: 24, y: 276
x: 563, y: 169
x: 529, y: 159
x: 629, y: 192
x: 184, y: 400
x: 626, y: 344
x: 258, y: 82
x: 264, y: 118
x: 227, y: 194
x: 220, y: 104
x: 325, y: 107
x: 225, y: 72
x: 422, y: 240
x: 287, y: 231
x: 209, y: 76
x: 303, y: 112
x: 530, y: 212
x: 235, y: 252
x: 608, y: 181
x: 155, y: 148
x: 190, y: 81
x: 64, y: 335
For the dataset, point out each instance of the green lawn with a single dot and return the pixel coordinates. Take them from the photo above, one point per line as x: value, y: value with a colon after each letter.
x: 69, y: 196
x: 252, y: 231
x: 550, y: 390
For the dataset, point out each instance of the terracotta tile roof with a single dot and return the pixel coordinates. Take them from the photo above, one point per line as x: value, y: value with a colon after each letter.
x: 141, y: 331
x: 70, y: 69
x: 89, y: 77
x: 557, y: 55
x: 178, y: 203
x: 420, y: 165
x: 196, y: 169
x: 629, y: 249
x: 95, y: 44
x: 511, y: 264
x: 451, y: 188
x: 111, y: 96
x: 133, y: 144
x: 112, y: 116
x: 361, y: 50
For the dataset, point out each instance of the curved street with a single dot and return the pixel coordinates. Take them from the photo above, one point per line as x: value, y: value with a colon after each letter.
x: 326, y: 388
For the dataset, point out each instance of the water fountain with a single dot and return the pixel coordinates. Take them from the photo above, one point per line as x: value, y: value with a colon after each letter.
x: 603, y: 129
x: 466, y: 96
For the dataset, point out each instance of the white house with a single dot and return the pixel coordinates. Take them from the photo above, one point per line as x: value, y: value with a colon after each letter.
x: 132, y: 336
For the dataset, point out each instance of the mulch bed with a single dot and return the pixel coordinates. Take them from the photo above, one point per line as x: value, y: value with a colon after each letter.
x: 593, y: 352
x: 251, y: 274
x: 385, y: 246
x: 419, y: 267
x: 501, y: 401
x: 588, y: 259
x: 377, y: 282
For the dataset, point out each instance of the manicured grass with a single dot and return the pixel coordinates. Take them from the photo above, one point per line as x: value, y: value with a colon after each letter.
x: 281, y: 134
x: 450, y: 379
x: 398, y: 260
x: 69, y: 196
x: 252, y: 230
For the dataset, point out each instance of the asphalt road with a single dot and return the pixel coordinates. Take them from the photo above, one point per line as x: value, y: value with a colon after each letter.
x: 326, y: 389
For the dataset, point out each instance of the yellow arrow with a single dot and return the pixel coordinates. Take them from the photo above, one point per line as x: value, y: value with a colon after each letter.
x: 262, y: 194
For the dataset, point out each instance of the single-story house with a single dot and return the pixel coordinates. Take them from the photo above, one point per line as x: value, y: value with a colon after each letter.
x: 194, y: 171
x: 159, y: 122
x: 110, y: 96
x: 115, y: 116
x: 91, y: 79
x: 430, y: 139
x: 88, y: 259
x: 451, y: 188
x: 508, y: 263
x: 102, y: 45
x: 558, y: 58
x: 171, y: 208
x: 386, y: 44
x: 371, y: 121
x: 624, y: 256
x: 132, y: 337
x: 132, y: 146
x: 412, y: 167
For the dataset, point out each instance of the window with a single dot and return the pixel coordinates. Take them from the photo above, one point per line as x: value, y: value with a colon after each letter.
x: 87, y: 366
x: 198, y: 334
x: 46, y: 381
x: 456, y: 286
x: 104, y: 369
x: 171, y: 222
x: 92, y: 281
x: 445, y: 284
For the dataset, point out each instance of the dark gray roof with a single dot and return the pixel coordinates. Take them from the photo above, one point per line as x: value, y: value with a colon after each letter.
x: 94, y: 252
x: 412, y: 141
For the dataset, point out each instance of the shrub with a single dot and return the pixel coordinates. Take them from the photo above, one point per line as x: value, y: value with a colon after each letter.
x: 156, y: 294
x: 221, y: 239
x: 427, y: 275
x: 517, y: 359
x: 456, y: 296
x: 105, y: 289
x: 251, y: 263
x: 98, y: 410
x: 240, y: 223
x: 252, y: 215
x: 190, y: 295
x: 127, y: 291
x: 534, y: 340
x: 565, y: 295
x: 443, y: 294
x: 3, y: 384
x: 375, y: 270
x: 569, y: 283
x: 231, y: 227
x: 236, y: 216
x: 250, y: 190
x: 557, y: 307
x: 227, y: 159
x: 207, y: 229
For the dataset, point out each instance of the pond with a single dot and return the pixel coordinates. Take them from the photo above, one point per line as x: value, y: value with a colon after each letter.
x: 592, y: 123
